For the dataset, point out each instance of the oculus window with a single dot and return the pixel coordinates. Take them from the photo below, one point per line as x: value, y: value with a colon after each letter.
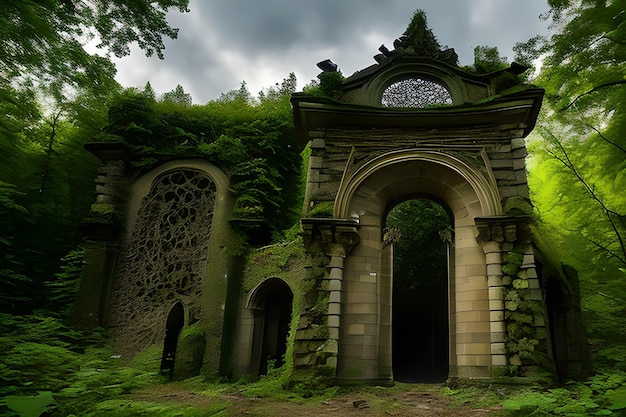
x: 415, y: 93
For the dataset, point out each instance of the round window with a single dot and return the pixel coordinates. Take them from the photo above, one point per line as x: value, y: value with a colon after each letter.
x: 415, y: 92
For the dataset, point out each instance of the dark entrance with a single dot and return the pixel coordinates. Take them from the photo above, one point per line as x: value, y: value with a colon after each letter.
x: 272, y: 302
x: 175, y: 322
x: 421, y: 232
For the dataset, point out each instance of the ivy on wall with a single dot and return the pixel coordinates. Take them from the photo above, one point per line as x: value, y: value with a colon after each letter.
x: 251, y: 140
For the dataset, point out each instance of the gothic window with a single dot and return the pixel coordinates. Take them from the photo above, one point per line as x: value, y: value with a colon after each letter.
x: 167, y: 253
x: 415, y: 93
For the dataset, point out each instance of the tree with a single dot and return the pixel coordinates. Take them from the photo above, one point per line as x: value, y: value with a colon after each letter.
x: 42, y: 41
x: 584, y: 122
x: 488, y: 59
x: 578, y: 165
x: 176, y: 96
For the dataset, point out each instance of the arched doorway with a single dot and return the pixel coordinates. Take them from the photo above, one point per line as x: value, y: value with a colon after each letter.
x: 367, y: 323
x: 173, y: 325
x: 272, y: 303
x: 421, y: 233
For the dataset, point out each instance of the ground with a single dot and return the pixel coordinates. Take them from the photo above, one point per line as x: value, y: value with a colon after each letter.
x: 415, y: 400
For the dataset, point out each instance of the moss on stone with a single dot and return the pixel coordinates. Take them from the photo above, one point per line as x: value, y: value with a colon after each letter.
x: 322, y: 210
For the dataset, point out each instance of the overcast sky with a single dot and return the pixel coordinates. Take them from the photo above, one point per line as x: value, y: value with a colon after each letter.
x: 224, y: 42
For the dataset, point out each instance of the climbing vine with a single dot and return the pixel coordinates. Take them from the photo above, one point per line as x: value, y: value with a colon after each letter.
x: 251, y: 141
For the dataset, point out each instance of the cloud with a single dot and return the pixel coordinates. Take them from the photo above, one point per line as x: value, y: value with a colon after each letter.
x: 222, y: 43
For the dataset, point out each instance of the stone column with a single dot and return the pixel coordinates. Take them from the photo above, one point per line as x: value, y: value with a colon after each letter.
x: 518, y: 333
x: 315, y: 166
x: 335, y: 277
x: 317, y: 339
x: 102, y: 229
x: 493, y: 259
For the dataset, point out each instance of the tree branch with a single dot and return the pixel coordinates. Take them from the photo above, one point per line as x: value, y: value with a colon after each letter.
x: 49, y: 150
x: 593, y: 90
x: 605, y: 249
x: 608, y: 213
x: 604, y: 138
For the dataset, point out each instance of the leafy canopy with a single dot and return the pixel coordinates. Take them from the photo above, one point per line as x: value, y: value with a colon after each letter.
x: 578, y: 159
x: 42, y: 41
x: 252, y: 140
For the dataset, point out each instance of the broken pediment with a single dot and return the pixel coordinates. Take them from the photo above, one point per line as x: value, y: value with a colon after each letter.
x: 418, y: 73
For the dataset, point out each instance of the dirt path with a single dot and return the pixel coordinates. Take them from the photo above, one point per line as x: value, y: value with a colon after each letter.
x: 425, y: 401
x: 409, y: 404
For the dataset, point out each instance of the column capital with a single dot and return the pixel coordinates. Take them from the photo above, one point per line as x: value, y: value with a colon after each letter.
x: 111, y: 151
x: 335, y: 237
x: 503, y: 229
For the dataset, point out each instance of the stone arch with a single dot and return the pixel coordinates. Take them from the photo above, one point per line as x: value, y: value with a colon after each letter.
x: 365, y: 195
x: 173, y: 325
x: 141, y: 187
x: 271, y: 305
x: 404, y: 164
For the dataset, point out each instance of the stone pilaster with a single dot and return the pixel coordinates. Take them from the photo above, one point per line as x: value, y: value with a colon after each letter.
x: 327, y: 241
x: 102, y: 229
x: 518, y: 332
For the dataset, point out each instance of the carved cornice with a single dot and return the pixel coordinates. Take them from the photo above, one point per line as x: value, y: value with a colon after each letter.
x: 513, y: 111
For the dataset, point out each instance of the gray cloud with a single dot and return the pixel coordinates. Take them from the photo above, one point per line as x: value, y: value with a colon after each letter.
x: 222, y: 43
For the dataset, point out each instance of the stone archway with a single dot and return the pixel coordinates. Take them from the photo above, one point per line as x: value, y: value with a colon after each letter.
x: 365, y: 351
x: 173, y: 325
x: 418, y: 232
x: 271, y: 304
x: 446, y: 133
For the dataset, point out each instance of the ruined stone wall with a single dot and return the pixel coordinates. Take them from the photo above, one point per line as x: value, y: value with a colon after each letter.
x: 164, y: 258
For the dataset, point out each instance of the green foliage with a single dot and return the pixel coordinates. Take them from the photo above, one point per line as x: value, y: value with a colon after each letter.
x: 14, y: 283
x: 282, y: 385
x: 42, y: 41
x: 177, y: 96
x: 331, y: 84
x: 487, y: 59
x: 421, y: 231
x: 424, y: 41
x: 128, y: 408
x: 276, y: 260
x: 52, y: 182
x: 578, y: 159
x: 322, y: 210
x: 38, y: 353
x: 79, y: 368
x: 63, y: 288
x: 252, y: 142
x: 601, y: 395
x: 31, y: 406
x: 477, y: 395
x: 511, y: 261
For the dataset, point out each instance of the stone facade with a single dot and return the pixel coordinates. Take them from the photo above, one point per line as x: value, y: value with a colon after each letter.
x: 163, y: 265
x: 468, y: 155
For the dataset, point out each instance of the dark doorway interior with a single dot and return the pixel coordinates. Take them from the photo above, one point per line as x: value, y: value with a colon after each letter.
x: 273, y: 302
x: 420, y: 334
x: 174, y: 324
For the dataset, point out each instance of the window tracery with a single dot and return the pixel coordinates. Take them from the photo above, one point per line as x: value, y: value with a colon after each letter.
x: 166, y: 255
x: 415, y: 93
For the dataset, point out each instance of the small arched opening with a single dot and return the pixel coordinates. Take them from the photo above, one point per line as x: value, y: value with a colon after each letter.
x: 173, y: 325
x: 421, y: 232
x: 271, y: 303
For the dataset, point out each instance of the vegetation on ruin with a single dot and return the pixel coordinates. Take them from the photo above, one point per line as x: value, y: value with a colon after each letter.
x: 577, y: 178
x: 250, y: 139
